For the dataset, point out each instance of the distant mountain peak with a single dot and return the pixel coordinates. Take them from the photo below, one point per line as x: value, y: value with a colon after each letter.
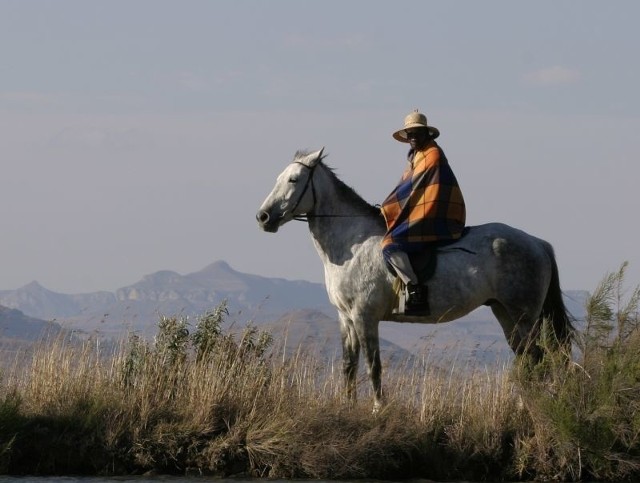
x: 218, y: 266
x: 34, y: 286
x: 164, y: 275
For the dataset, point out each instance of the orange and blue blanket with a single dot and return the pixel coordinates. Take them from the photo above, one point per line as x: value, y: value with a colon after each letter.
x: 427, y: 204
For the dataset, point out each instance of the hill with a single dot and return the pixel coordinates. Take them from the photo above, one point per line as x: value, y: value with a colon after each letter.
x: 300, y: 306
x: 18, y: 332
x: 319, y: 334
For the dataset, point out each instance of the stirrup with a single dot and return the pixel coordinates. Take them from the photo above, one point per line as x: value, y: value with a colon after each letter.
x: 417, y: 300
x: 402, y: 308
x: 399, y: 288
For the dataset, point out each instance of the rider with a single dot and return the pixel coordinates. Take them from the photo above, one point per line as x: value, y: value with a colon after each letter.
x: 425, y: 207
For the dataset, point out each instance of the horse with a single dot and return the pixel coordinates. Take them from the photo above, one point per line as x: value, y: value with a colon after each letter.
x: 494, y: 264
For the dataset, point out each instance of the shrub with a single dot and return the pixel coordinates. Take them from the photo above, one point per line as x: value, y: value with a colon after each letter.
x: 586, y: 414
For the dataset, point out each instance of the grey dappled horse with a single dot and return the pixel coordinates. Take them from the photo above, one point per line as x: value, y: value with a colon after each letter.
x: 494, y: 264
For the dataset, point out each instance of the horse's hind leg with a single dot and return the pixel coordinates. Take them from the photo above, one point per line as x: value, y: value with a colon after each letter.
x: 508, y: 325
x: 350, y: 355
x: 519, y: 328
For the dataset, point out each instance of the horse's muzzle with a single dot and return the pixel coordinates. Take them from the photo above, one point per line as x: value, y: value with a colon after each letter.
x: 266, y: 222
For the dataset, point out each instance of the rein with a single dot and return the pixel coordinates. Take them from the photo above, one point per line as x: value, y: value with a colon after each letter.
x: 305, y: 217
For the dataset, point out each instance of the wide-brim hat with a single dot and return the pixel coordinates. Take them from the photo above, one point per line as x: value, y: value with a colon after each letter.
x: 415, y: 120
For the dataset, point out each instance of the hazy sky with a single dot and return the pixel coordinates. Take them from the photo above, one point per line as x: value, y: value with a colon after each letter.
x: 139, y: 136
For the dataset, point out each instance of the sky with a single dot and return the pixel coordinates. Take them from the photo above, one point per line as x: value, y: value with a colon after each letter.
x: 139, y: 136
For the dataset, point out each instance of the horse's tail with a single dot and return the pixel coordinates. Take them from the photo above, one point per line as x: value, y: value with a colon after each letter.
x: 553, y: 308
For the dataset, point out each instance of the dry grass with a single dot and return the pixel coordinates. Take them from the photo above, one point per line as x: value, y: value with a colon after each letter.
x: 77, y: 409
x: 207, y: 403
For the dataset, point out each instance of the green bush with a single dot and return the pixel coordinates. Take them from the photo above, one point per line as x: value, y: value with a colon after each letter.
x: 585, y: 413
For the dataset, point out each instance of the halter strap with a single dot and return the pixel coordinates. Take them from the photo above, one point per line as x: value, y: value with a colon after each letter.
x: 309, y: 182
x: 304, y: 190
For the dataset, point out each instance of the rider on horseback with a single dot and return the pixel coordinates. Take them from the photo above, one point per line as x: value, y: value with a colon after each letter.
x: 424, y: 209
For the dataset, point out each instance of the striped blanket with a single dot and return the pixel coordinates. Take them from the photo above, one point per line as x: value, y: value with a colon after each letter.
x: 427, y: 204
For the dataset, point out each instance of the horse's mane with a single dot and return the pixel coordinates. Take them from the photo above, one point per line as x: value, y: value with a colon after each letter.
x: 345, y: 190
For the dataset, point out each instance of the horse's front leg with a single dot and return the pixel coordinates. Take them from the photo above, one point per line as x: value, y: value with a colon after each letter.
x: 350, y: 355
x: 368, y: 334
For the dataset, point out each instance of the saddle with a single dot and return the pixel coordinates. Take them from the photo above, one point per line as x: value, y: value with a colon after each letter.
x: 424, y: 265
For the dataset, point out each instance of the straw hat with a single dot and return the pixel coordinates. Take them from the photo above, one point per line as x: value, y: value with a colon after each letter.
x: 414, y: 120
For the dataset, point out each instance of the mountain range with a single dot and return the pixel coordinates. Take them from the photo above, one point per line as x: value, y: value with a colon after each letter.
x: 296, y: 311
x: 137, y: 307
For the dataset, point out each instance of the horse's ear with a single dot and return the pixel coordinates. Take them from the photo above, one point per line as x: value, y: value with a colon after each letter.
x: 314, y: 158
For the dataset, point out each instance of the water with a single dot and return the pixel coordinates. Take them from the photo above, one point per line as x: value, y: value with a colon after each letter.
x: 176, y: 479
x: 125, y: 479
x: 150, y: 479
x: 131, y: 479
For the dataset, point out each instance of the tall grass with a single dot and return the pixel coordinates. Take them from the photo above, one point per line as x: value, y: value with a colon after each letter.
x: 586, y: 415
x: 201, y: 400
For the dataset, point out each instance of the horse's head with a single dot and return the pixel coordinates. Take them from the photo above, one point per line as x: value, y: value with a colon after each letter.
x: 293, y: 193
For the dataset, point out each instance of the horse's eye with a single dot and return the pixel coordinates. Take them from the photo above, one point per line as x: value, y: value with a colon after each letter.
x: 293, y: 179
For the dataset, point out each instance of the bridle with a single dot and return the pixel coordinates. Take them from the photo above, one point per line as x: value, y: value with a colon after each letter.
x: 309, y: 182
